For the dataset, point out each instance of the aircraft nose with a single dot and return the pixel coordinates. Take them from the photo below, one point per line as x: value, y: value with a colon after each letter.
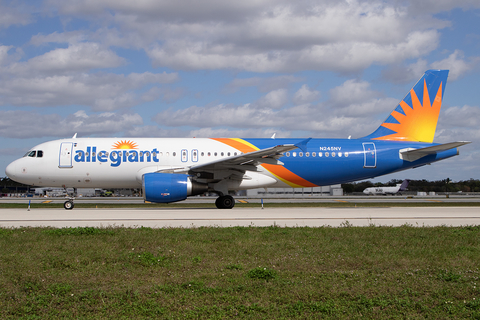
x: 11, y: 170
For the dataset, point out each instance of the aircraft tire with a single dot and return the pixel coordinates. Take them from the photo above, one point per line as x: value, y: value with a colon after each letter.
x: 225, y: 202
x: 68, y: 205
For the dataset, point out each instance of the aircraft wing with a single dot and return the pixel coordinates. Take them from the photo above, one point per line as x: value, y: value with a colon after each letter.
x: 240, y: 163
x: 411, y: 154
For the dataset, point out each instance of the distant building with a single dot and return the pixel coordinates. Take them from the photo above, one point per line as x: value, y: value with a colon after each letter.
x: 315, y: 192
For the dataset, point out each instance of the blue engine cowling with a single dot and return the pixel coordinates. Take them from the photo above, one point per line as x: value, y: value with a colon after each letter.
x: 170, y: 187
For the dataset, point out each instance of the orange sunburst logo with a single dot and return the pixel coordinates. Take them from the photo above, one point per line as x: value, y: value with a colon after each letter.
x: 124, y: 144
x: 419, y: 121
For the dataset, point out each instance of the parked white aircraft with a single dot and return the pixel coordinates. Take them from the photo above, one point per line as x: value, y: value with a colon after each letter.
x: 387, y: 190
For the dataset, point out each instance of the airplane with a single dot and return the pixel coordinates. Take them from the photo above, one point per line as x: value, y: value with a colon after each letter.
x: 172, y: 169
x: 387, y: 190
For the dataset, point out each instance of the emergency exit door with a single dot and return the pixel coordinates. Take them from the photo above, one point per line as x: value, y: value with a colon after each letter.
x: 370, y: 155
x: 65, y: 160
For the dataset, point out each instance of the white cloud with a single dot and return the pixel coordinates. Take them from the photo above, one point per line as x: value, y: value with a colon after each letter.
x: 305, y: 95
x: 348, y: 56
x: 13, y: 15
x: 241, y: 133
x: 103, y: 92
x: 436, y: 6
x: 273, y: 100
x: 351, y: 91
x: 456, y: 64
x: 400, y: 74
x: 4, y: 53
x: 71, y: 37
x: 79, y: 57
x: 21, y: 124
x: 264, y: 36
x: 353, y: 108
x: 262, y: 84
x: 466, y: 116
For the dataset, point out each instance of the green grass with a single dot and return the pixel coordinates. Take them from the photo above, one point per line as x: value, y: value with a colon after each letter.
x: 240, y: 272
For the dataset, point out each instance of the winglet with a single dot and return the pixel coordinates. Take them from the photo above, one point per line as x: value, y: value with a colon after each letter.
x: 302, y: 145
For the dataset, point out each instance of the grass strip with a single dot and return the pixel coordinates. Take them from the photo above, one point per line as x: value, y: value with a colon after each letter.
x: 240, y: 272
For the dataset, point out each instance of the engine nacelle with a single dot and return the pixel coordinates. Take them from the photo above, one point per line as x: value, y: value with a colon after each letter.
x: 170, y: 187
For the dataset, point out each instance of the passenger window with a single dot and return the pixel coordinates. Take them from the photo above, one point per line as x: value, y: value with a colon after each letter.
x: 300, y: 154
x: 326, y: 154
x: 287, y: 154
x: 307, y: 154
x: 314, y: 154
x: 320, y: 154
x: 346, y: 154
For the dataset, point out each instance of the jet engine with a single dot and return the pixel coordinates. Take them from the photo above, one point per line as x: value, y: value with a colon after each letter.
x: 170, y: 187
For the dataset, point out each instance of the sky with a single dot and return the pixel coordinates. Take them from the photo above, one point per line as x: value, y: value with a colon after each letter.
x: 251, y: 68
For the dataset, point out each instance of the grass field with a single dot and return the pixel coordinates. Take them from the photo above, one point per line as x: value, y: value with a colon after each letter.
x: 241, y: 272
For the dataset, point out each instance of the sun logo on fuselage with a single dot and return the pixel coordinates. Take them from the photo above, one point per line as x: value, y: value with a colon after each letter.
x: 124, y: 144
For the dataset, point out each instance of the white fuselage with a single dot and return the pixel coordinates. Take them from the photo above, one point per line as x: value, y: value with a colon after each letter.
x: 121, y: 163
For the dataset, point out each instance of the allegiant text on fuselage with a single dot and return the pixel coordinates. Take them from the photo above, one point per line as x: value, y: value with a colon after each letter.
x: 115, y: 157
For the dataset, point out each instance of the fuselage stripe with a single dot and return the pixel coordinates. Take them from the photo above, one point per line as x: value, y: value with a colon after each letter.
x: 279, y: 171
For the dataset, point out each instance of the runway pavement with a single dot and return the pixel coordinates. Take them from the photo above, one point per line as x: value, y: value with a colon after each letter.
x: 282, y: 217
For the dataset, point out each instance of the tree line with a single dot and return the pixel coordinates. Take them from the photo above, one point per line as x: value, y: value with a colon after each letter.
x: 445, y: 185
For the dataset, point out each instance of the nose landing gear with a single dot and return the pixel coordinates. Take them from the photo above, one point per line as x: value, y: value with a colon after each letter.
x: 68, y: 205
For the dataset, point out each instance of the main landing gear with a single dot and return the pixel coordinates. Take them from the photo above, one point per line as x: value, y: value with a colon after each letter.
x: 225, y: 202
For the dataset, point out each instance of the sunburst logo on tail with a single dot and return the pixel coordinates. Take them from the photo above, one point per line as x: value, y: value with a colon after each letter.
x: 124, y: 144
x: 415, y: 118
x: 418, y: 121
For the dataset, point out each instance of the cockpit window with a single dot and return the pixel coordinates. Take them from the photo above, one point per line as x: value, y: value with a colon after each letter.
x: 34, y: 153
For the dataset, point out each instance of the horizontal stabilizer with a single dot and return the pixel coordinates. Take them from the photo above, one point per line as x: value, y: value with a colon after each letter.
x: 410, y: 154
